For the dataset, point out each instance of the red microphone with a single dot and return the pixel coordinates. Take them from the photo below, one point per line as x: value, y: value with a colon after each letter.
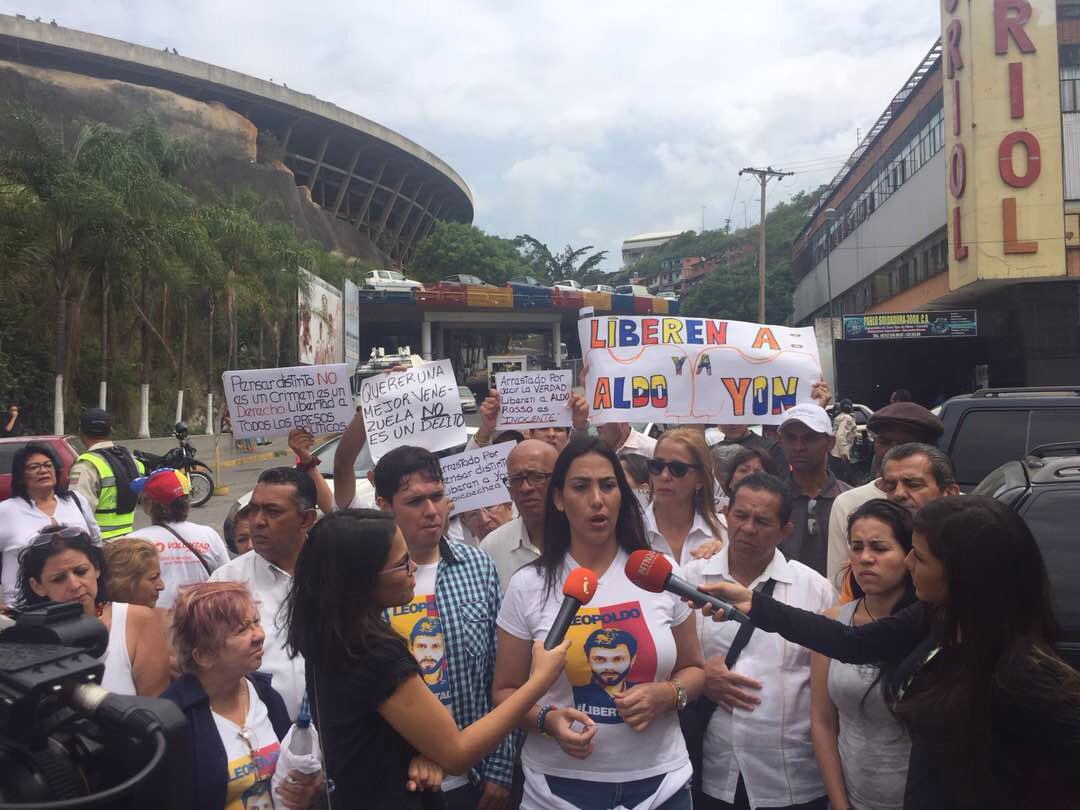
x: 578, y: 589
x: 652, y: 571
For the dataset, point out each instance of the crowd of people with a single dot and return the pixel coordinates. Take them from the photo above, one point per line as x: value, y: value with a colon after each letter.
x: 900, y: 650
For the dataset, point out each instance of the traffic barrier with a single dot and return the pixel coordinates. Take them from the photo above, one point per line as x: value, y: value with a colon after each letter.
x: 599, y: 301
x: 643, y: 305
x: 529, y: 297
x: 489, y: 297
x: 566, y: 299
x: 622, y: 304
x: 660, y: 306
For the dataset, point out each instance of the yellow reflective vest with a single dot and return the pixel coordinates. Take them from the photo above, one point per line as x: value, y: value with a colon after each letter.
x: 112, y: 523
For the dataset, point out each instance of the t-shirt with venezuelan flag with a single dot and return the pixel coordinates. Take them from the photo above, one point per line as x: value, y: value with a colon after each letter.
x: 252, y: 753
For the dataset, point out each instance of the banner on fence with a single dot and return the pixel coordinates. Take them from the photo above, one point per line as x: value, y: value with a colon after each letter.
x: 271, y: 401
x: 695, y: 370
x: 420, y: 406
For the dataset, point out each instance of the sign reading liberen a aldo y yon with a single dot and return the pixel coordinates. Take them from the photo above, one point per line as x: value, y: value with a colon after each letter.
x: 474, y: 478
x: 420, y: 406
x: 534, y: 399
x: 695, y: 370
x: 273, y: 401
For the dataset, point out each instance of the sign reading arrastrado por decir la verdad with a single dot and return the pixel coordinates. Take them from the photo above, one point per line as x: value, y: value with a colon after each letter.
x: 272, y: 401
x: 695, y: 370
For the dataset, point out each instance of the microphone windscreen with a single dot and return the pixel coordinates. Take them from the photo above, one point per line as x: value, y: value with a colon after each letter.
x: 580, y: 584
x: 648, y: 570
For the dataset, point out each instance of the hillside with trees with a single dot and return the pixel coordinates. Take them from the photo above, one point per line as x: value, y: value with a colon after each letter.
x: 117, y: 272
x: 731, y: 290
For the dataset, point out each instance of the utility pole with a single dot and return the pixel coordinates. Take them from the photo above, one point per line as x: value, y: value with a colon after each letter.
x: 763, y: 176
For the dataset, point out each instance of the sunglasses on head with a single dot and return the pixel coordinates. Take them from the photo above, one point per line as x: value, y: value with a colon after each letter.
x: 678, y: 468
x: 50, y: 533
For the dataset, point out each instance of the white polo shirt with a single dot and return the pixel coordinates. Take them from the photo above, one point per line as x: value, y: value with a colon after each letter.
x: 699, y: 533
x: 771, y: 745
x: 510, y: 547
x: 270, y: 587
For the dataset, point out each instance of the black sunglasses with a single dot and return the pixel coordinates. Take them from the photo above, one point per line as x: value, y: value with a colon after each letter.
x: 678, y: 468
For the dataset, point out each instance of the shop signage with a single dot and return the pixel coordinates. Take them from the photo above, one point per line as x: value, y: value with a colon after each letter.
x: 947, y: 323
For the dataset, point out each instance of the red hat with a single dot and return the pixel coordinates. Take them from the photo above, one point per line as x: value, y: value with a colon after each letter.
x: 165, y: 486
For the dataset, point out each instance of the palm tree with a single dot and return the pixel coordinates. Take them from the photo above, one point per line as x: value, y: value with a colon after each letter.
x: 563, y: 265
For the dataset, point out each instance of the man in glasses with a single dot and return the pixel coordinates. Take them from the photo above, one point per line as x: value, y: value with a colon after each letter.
x: 517, y: 543
x: 806, y: 436
x: 459, y: 585
x: 894, y: 425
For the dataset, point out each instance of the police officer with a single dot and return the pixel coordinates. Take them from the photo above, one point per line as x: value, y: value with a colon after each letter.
x: 103, y: 475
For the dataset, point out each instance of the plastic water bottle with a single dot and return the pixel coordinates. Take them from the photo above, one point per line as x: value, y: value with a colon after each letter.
x: 300, y: 750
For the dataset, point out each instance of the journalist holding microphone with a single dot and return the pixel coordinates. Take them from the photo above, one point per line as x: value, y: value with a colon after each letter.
x: 384, y: 732
x: 606, y: 734
x: 969, y: 669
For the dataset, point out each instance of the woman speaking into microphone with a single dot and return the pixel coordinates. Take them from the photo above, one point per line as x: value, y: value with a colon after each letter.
x: 606, y: 733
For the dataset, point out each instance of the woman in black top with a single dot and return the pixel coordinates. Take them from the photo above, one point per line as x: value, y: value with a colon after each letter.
x: 970, y: 669
x: 373, y: 709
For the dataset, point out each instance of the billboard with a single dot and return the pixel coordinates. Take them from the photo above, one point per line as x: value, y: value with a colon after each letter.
x: 1003, y: 139
x: 352, y: 325
x: 321, y: 312
x: 948, y: 323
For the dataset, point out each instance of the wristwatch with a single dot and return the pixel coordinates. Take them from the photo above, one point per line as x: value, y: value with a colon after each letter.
x: 681, y: 698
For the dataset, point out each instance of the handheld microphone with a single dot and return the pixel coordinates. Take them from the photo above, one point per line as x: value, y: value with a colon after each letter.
x: 652, y: 571
x: 578, y: 589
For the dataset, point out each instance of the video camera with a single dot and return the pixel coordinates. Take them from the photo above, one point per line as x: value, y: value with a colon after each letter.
x: 65, y: 742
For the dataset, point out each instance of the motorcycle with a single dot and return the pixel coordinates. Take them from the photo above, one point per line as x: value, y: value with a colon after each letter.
x: 183, y: 458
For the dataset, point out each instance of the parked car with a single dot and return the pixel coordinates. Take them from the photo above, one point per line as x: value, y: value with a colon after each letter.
x: 986, y: 429
x: 468, y: 400
x: 465, y: 278
x: 669, y: 295
x: 63, y: 446
x: 1043, y: 488
x: 389, y: 280
x: 639, y: 290
x: 601, y: 288
x: 525, y: 281
x: 568, y: 284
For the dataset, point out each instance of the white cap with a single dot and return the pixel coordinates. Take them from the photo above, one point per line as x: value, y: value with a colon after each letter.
x: 813, y: 416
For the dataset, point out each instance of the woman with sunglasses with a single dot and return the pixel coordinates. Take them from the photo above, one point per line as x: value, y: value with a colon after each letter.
x: 62, y: 565
x: 607, y: 734
x: 970, y: 669
x: 681, y: 520
x: 38, y: 499
x: 381, y: 725
x: 236, y: 719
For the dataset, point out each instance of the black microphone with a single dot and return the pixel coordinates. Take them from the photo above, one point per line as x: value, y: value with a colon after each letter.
x: 578, y: 589
x: 651, y: 571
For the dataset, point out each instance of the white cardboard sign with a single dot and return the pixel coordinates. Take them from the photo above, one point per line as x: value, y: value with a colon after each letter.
x: 272, y: 401
x: 474, y: 478
x: 695, y: 370
x: 534, y: 399
x: 420, y: 407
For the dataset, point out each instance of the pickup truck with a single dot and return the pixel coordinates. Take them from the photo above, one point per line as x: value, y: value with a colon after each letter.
x: 986, y: 429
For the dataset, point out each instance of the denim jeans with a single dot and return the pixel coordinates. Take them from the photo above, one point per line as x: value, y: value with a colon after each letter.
x: 606, y: 795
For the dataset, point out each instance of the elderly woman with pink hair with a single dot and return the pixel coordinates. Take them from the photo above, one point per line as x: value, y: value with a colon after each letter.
x: 236, y: 719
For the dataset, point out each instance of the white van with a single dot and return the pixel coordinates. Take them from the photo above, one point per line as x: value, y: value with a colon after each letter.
x: 639, y: 290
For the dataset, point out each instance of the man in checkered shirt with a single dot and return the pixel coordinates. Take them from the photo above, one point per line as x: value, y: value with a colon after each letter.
x: 464, y: 584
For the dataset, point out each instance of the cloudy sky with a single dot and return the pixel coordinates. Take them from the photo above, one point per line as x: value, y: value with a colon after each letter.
x: 580, y: 123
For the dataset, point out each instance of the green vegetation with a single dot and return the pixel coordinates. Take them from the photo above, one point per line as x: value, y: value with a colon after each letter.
x: 112, y: 270
x: 731, y: 290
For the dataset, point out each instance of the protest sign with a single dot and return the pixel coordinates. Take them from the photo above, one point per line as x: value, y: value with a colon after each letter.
x: 695, y: 370
x: 419, y: 406
x: 272, y: 401
x: 474, y: 478
x: 534, y: 399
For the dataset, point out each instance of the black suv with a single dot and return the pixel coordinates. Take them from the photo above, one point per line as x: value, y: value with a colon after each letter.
x: 985, y: 429
x: 1044, y: 489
